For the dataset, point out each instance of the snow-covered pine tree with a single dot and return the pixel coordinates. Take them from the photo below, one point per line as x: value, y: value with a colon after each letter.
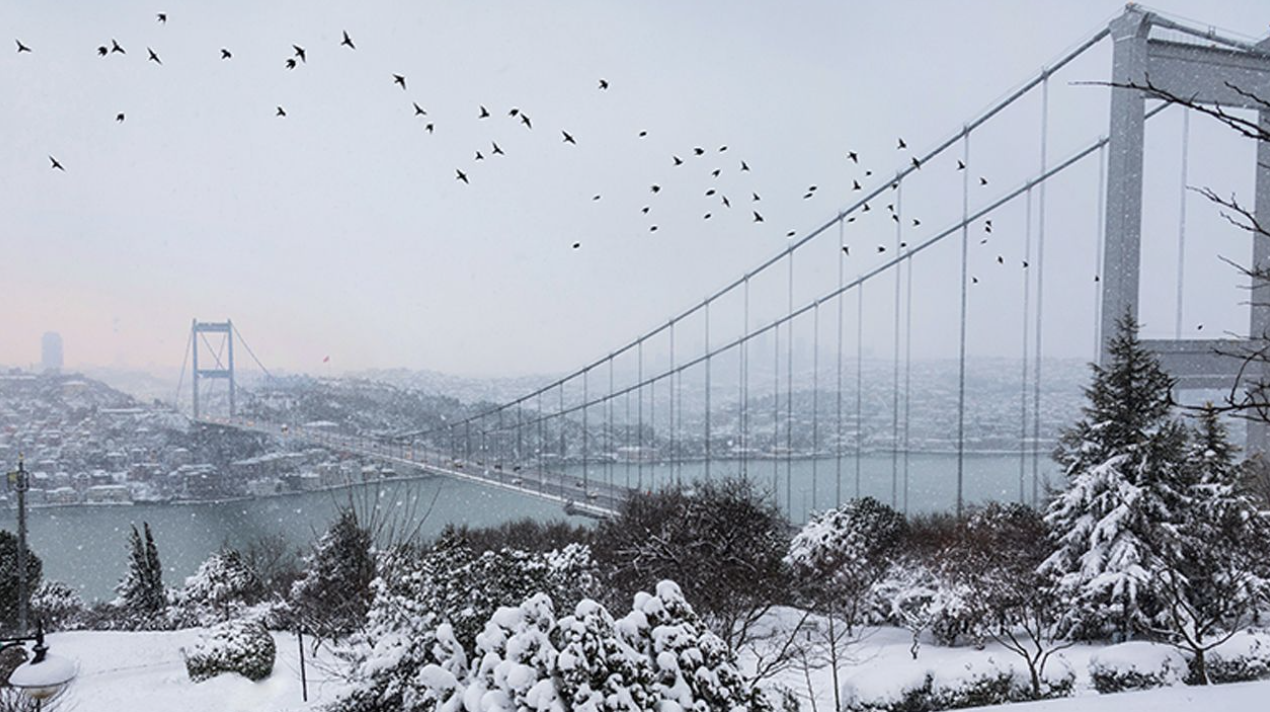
x: 1214, y: 573
x: 1123, y: 465
x: 515, y: 661
x: 596, y: 669
x: 141, y: 595
x: 332, y: 598
x: 220, y: 586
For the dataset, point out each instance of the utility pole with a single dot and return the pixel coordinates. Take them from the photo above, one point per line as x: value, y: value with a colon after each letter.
x: 20, y: 482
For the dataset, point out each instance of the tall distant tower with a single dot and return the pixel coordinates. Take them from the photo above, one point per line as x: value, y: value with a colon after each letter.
x: 51, y: 352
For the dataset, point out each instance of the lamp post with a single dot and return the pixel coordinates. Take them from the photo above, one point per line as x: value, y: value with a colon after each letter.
x: 20, y: 481
x: 43, y: 675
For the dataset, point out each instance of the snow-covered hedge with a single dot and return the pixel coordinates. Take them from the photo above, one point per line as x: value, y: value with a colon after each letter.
x: 978, y: 681
x: 235, y: 646
x: 1137, y: 665
x: 1246, y: 656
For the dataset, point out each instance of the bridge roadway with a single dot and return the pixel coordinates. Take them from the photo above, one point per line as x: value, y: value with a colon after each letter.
x: 592, y: 498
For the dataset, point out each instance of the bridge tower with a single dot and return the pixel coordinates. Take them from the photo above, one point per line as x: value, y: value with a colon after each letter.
x: 223, y: 369
x: 1205, y: 69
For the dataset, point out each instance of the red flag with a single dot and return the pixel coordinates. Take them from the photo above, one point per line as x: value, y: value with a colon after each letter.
x: 326, y: 360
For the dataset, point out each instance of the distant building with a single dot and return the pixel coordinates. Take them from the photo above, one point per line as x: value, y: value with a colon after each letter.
x: 51, y: 352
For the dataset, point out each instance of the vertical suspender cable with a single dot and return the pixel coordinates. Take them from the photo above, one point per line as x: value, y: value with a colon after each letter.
x: 707, y: 320
x: 1027, y: 292
x: 674, y: 453
x: 908, y: 370
x: 608, y: 432
x: 679, y: 406
x: 563, y: 444
x: 745, y: 383
x: 776, y: 413
x: 815, y: 404
x: 895, y: 361
x: 639, y: 428
x: 789, y: 399
x: 586, y: 433
x: 859, y: 384
x: 628, y: 440
x: 1040, y: 294
x: 961, y: 348
x: 842, y: 258
x: 654, y: 462
x: 1181, y: 221
x: 1099, y: 233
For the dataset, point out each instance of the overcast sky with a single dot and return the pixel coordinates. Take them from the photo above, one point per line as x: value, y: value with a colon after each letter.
x: 340, y: 229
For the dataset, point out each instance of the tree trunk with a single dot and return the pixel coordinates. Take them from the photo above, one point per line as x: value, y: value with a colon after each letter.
x: 1199, y: 669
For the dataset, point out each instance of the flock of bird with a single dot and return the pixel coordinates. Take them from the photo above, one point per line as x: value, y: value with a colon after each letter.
x: 298, y: 57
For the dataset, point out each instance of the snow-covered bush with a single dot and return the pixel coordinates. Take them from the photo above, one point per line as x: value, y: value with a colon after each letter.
x: 1245, y: 656
x: 241, y: 647
x: 57, y: 605
x: 1136, y: 665
x: 980, y: 680
x: 219, y: 590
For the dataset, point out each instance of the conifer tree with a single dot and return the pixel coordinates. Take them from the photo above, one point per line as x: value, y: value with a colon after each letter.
x: 334, y: 595
x: 141, y: 593
x: 1124, y: 477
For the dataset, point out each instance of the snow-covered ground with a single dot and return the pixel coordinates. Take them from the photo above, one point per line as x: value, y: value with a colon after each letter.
x: 145, y: 672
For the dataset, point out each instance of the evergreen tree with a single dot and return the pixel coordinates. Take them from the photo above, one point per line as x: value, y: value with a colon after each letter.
x: 141, y: 594
x: 1123, y: 465
x: 222, y: 584
x: 9, y: 578
x: 333, y: 597
x: 1214, y: 572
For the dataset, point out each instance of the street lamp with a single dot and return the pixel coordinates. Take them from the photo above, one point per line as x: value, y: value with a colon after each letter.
x: 21, y: 481
x: 43, y: 675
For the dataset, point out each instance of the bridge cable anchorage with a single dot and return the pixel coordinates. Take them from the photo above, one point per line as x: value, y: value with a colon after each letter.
x: 842, y: 258
x: 983, y: 117
x: 1181, y: 221
x: 1027, y: 289
x: 961, y: 345
x: 1040, y: 297
x: 895, y: 363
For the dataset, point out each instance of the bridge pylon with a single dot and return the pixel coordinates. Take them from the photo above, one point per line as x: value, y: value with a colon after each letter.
x: 224, y: 368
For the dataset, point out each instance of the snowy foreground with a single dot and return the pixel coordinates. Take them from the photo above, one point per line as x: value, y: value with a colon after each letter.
x: 145, y: 672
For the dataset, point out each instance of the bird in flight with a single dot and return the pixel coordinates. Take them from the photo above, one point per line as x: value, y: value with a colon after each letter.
x: 56, y: 165
x: 916, y: 163
x: 291, y: 63
x: 726, y: 203
x: 428, y: 128
x: 983, y: 181
x: 154, y: 57
x: 791, y: 233
x: 1024, y: 264
x: 881, y: 249
x: 161, y: 17
x: 961, y: 166
x: 699, y: 151
x: 347, y: 41
x: 568, y: 138
x: 652, y: 228
x: 901, y: 145
x: 643, y: 134
x: 497, y: 151
x: 101, y: 51
x: 855, y: 185
x: 744, y: 166
x: 644, y: 210
x: 513, y: 111
x: 757, y: 217
x: 974, y: 280
x: 419, y: 109
x: 678, y: 161
x: 576, y: 245
x: 119, y: 118
x: 655, y: 188
x: 479, y: 157
x: 460, y: 175
x: 22, y: 47
x: 1000, y: 260
x: 398, y: 79
x: 595, y: 197
x: 224, y: 54
x: 114, y: 47
x: 715, y: 173
x: 916, y: 222
x: 846, y: 250
x: 855, y: 157
x: 484, y: 113
x: 755, y: 197
x: 710, y: 192
x: 299, y: 52
x: 524, y: 119
x: 706, y: 217
x: 604, y: 84
x: 280, y: 112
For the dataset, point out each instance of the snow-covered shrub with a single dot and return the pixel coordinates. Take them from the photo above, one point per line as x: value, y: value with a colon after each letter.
x: 980, y: 680
x: 1137, y: 665
x: 219, y: 590
x: 241, y: 647
x: 1245, y: 656
x: 597, y: 668
x: 57, y: 605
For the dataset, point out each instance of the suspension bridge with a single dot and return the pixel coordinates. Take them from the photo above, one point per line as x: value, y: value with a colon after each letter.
x: 770, y: 376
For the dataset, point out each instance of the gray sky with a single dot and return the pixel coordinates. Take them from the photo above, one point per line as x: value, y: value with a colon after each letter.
x: 341, y: 230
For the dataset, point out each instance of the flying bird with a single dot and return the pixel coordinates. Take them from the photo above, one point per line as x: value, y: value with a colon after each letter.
x: 484, y: 113
x: 299, y: 52
x: 280, y: 112
x: 726, y: 203
x: 710, y: 192
x: 513, y: 111
x: 722, y: 149
x: 901, y: 145
x: 604, y: 84
x: 865, y: 209
x: 154, y: 57
x: 22, y: 47
x: 652, y: 228
x: 754, y: 197
x: 791, y: 233
x: 846, y: 250
x: 855, y: 157
x: 56, y: 165
x: 678, y: 161
x: 479, y: 157
x: 916, y: 222
x: 1000, y: 260
x: 643, y: 134
x: 119, y: 118
x: 347, y: 41
x: 460, y: 175
x: 808, y: 196
x: 224, y: 54
x: 524, y: 119
x: 428, y: 128
x: 881, y: 249
x: 855, y: 185
x: 961, y: 166
x: 716, y: 172
x: 101, y: 51
x: 290, y: 63
x: 419, y: 109
x: 644, y: 210
x: 497, y: 151
x: 983, y: 181
x: 706, y: 217
x: 595, y: 197
x: 576, y: 245
x: 744, y: 166
x: 655, y: 188
x: 699, y: 151
x: 568, y: 138
x: 916, y: 163
x: 1024, y: 264
x: 114, y: 47
x: 398, y: 79
x: 974, y: 280
x: 161, y: 17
